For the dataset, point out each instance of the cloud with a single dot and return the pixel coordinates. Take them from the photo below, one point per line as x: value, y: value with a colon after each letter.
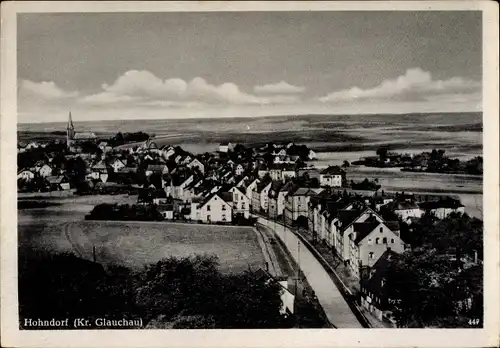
x: 144, y: 88
x: 416, y: 84
x: 279, y: 88
x: 45, y: 90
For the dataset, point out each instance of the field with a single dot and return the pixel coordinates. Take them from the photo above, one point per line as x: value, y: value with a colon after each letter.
x: 59, y: 228
x: 458, y: 133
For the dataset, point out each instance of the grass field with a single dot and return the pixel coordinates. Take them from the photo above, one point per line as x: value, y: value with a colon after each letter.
x: 136, y: 244
x: 61, y: 228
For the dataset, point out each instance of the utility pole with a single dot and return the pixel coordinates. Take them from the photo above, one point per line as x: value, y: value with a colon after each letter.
x: 93, y: 253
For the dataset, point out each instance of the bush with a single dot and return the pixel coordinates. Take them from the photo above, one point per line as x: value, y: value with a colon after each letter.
x: 185, y: 292
x: 124, y: 212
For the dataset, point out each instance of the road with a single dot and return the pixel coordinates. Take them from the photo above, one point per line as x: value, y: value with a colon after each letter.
x: 336, y: 308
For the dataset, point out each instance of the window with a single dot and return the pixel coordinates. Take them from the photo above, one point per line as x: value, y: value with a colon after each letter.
x: 381, y: 229
x: 371, y: 255
x: 370, y: 241
x: 377, y: 240
x: 392, y: 240
x: 384, y: 240
x: 223, y: 207
x: 223, y: 217
x: 208, y: 207
x: 243, y: 205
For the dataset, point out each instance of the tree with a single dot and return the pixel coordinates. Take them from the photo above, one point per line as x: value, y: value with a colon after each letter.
x: 345, y: 164
x: 382, y: 152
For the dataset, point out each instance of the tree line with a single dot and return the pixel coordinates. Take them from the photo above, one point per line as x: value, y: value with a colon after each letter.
x: 179, y: 293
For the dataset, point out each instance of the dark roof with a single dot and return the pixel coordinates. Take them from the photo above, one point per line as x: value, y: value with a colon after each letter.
x: 225, y: 196
x: 373, y: 282
x: 99, y: 165
x: 332, y: 170
x: 179, y: 178
x: 84, y: 136
x: 363, y: 229
x: 392, y: 225
x: 346, y: 217
x: 165, y: 207
x: 156, y: 167
x: 402, y: 205
x: 55, y: 179
x: 445, y: 203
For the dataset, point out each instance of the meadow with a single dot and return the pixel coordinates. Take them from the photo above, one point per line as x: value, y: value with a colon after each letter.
x: 60, y: 228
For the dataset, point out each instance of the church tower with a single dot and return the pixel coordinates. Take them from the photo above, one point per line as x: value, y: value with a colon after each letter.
x: 70, y: 131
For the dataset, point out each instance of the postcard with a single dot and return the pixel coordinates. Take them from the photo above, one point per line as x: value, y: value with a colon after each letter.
x: 258, y: 174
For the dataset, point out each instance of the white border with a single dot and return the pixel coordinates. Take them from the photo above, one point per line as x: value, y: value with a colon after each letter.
x: 11, y: 336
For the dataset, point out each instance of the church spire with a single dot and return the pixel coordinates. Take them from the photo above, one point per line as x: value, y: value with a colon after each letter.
x: 70, y: 122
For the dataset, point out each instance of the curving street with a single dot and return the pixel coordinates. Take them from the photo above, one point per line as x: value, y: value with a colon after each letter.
x: 329, y: 296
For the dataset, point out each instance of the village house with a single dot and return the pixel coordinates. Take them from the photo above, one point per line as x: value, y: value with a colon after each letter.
x: 216, y: 207
x: 296, y: 203
x: 252, y: 186
x: 405, y: 210
x: 311, y: 172
x: 156, y: 169
x: 32, y: 145
x: 21, y: 147
x: 273, y: 199
x: 239, y: 169
x: 287, y: 297
x: 381, y: 201
x: 260, y: 196
x: 332, y: 176
x: 116, y: 164
x: 282, y: 172
x: 241, y: 203
x: 225, y: 147
x: 178, y: 182
x: 369, y: 240
x: 25, y: 174
x: 442, y: 208
x: 373, y: 289
x: 342, y: 226
x: 311, y: 155
x: 196, y: 163
x: 58, y: 183
x: 166, y: 210
x: 99, y: 171
x: 262, y: 171
x: 43, y: 169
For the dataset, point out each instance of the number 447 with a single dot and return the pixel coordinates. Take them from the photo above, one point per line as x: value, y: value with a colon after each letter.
x: 474, y: 322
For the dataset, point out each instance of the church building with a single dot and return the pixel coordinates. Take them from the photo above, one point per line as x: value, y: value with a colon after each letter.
x: 73, y: 139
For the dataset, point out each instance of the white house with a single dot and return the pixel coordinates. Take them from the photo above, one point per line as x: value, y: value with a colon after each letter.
x: 369, y: 240
x: 239, y: 169
x: 178, y: 185
x: 405, y: 210
x: 116, y: 164
x: 44, y: 170
x: 311, y: 155
x: 213, y: 208
x: 225, y: 147
x: 32, y: 145
x: 195, y: 163
x: 332, y: 177
x: 25, y: 174
x: 442, y: 208
x: 241, y: 203
x: 251, y: 187
x: 156, y: 169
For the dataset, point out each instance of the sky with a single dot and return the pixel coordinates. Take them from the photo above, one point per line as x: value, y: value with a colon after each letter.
x: 232, y: 64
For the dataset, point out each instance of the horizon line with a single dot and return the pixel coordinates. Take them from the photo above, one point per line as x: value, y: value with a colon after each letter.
x: 266, y: 116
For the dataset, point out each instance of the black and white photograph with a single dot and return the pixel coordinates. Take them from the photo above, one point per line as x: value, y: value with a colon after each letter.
x: 250, y: 169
